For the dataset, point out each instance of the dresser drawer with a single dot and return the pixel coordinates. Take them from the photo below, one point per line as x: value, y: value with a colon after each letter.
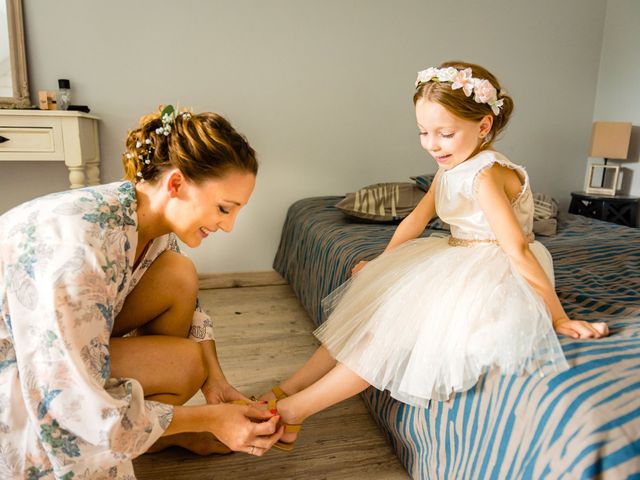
x: 36, y: 141
x: 51, y: 135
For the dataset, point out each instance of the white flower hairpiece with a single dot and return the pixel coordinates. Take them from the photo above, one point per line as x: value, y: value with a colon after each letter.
x: 485, y: 92
x: 167, y: 117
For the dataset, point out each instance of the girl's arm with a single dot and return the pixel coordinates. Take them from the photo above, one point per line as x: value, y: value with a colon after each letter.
x: 414, y: 224
x: 491, y: 192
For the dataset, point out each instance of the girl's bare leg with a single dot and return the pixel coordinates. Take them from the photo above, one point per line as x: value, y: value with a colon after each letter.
x: 320, y: 363
x: 337, y: 385
x: 170, y: 367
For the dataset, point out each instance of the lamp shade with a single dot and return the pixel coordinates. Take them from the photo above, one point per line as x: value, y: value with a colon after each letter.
x: 610, y: 140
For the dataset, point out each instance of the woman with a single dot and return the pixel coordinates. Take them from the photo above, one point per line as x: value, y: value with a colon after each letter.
x: 99, y: 342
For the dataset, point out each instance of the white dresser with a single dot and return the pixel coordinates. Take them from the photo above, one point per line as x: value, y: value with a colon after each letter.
x: 53, y: 136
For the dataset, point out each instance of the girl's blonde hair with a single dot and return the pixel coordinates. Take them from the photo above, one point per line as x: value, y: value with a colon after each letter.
x: 202, y: 146
x: 456, y: 102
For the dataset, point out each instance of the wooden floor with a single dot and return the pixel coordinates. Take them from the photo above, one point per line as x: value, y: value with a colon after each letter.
x: 263, y: 334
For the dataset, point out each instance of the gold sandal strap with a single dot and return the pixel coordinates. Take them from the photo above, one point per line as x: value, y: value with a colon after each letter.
x: 295, y: 428
x: 279, y: 393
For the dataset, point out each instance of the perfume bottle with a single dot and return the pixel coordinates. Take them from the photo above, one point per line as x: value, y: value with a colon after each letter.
x: 64, y: 94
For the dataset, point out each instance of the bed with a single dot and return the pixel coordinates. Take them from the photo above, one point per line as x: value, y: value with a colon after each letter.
x: 583, y: 423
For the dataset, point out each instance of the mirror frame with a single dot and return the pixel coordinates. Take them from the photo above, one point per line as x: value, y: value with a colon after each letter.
x: 17, y: 53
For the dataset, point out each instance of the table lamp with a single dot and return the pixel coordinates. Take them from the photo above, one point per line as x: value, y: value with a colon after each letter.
x: 609, y: 140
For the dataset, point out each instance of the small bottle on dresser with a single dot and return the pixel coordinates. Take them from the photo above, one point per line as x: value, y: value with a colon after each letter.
x: 64, y: 94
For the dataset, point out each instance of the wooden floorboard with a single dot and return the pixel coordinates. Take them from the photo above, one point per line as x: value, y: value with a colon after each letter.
x: 262, y: 334
x: 241, y: 279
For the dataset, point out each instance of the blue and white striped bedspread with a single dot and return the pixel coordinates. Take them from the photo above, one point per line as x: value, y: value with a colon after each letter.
x: 583, y: 423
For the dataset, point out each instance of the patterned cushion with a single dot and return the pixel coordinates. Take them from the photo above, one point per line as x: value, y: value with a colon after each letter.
x: 381, y: 202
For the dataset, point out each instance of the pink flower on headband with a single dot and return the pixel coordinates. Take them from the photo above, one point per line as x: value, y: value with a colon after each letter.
x: 485, y: 92
x: 463, y: 80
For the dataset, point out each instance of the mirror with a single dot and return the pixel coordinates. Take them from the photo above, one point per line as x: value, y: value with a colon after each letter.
x: 14, y: 87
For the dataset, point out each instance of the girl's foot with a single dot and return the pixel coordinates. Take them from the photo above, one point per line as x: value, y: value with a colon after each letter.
x: 292, y: 421
x: 200, y: 443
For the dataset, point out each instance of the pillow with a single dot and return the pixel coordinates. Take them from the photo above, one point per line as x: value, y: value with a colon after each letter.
x: 545, y: 227
x: 381, y: 202
x: 544, y: 207
x: 545, y: 211
x: 423, y: 181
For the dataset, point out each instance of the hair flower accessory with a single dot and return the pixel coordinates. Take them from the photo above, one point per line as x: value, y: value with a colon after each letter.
x: 144, y: 147
x: 167, y: 116
x: 446, y: 74
x: 463, y: 80
x: 483, y: 89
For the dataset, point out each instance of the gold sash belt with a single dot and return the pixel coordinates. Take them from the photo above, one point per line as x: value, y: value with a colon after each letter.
x: 461, y: 242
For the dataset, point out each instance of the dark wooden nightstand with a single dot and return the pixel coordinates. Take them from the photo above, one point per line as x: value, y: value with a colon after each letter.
x: 619, y: 209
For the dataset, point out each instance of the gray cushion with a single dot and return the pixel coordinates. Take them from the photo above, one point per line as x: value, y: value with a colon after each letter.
x: 546, y: 227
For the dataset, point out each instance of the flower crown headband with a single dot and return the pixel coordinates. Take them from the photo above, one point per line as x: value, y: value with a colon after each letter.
x: 484, y: 91
x: 145, y: 149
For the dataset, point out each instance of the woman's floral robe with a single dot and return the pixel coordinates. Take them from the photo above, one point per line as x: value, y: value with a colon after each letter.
x: 65, y: 270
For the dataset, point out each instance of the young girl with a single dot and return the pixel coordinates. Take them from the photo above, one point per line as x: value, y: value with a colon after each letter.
x: 79, y: 270
x: 429, y: 316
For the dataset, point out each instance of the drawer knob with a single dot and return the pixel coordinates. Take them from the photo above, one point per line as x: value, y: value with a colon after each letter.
x: 3, y: 139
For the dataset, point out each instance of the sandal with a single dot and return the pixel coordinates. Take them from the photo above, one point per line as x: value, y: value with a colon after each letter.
x: 277, y: 391
x: 288, y: 428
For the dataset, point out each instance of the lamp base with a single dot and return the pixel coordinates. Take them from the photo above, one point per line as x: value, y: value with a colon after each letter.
x: 602, y: 179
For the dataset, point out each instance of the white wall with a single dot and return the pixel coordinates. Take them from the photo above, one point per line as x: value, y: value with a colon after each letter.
x: 321, y: 88
x: 618, y: 93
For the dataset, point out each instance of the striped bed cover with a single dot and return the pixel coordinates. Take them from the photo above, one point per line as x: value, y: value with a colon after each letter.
x: 583, y: 423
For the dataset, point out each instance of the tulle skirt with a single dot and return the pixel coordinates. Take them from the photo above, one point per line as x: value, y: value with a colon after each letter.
x: 427, y: 319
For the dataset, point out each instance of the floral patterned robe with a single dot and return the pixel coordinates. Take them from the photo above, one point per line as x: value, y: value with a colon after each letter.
x: 65, y: 270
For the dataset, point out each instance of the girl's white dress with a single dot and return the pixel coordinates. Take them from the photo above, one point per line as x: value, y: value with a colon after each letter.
x: 429, y: 317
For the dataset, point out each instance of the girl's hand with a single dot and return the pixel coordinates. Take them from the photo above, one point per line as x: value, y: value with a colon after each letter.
x: 221, y: 391
x: 244, y: 428
x: 581, y: 329
x: 359, y: 266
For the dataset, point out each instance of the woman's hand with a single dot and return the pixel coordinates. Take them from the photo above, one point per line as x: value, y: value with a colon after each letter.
x: 580, y: 328
x: 359, y: 266
x: 244, y: 428
x: 220, y: 391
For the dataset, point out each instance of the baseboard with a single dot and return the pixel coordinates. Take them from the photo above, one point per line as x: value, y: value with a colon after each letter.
x: 240, y: 279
